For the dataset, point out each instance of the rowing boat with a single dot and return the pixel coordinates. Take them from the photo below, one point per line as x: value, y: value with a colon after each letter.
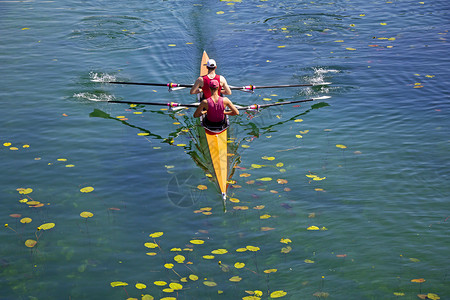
x: 216, y: 138
x: 217, y: 143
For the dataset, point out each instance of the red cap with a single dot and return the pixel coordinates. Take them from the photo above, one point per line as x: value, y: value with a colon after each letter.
x: 214, y: 84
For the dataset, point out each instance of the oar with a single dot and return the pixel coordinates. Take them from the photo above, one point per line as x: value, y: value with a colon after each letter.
x: 170, y: 104
x: 246, y: 88
x: 251, y: 88
x: 179, y: 105
x: 258, y: 106
x: 169, y: 85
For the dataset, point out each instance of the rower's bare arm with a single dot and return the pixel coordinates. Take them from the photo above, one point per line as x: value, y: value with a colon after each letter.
x: 233, y: 110
x: 225, y: 87
x: 201, y: 109
x: 197, y: 85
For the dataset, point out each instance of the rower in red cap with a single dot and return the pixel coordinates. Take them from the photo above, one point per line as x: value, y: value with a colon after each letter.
x: 202, y: 84
x: 214, y: 106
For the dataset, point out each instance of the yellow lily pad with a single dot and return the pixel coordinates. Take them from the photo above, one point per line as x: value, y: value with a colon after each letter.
x: 156, y: 234
x: 151, y: 245
x: 25, y: 220
x: 47, y: 226
x: 202, y: 187
x: 219, y: 251
x: 268, y: 157
x: 197, y: 242
x: 86, y: 214
x: 209, y: 283
x: 87, y: 189
x: 179, y: 259
x: 268, y: 271
x: 30, y: 243
x: 278, y: 294
x: 264, y: 179
x: 118, y: 283
x: 193, y: 277
x: 25, y: 191
x: 313, y: 228
x: 175, y: 286
x: 140, y: 286
x: 286, y: 250
x: 252, y: 248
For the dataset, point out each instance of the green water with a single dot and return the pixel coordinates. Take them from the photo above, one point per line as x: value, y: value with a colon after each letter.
x: 381, y: 202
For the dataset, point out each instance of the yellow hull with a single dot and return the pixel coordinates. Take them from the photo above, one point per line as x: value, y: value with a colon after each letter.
x: 217, y: 144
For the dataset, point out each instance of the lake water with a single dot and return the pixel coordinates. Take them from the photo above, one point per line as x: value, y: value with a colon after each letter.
x: 343, y: 198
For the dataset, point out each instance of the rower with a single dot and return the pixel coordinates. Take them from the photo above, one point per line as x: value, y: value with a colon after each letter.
x: 202, y: 84
x: 214, y: 107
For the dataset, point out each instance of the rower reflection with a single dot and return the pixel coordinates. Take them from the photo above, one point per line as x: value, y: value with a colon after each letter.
x: 198, y: 148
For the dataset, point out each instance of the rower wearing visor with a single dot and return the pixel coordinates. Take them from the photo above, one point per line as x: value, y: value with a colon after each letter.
x: 203, y: 83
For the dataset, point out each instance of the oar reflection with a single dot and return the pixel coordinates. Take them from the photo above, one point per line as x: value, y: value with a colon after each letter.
x: 196, y: 147
x: 242, y: 130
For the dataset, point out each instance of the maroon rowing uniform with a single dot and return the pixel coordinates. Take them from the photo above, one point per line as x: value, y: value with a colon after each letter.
x: 215, y: 110
x: 206, y: 89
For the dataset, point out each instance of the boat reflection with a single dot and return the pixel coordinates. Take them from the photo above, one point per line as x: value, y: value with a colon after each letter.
x: 243, y: 129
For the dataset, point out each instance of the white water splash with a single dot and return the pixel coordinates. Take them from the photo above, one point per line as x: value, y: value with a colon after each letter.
x: 95, y: 97
x: 324, y: 71
x: 101, y: 77
x: 319, y: 74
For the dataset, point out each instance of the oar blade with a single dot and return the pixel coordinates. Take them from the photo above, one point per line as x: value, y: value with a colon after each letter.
x: 322, y: 98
